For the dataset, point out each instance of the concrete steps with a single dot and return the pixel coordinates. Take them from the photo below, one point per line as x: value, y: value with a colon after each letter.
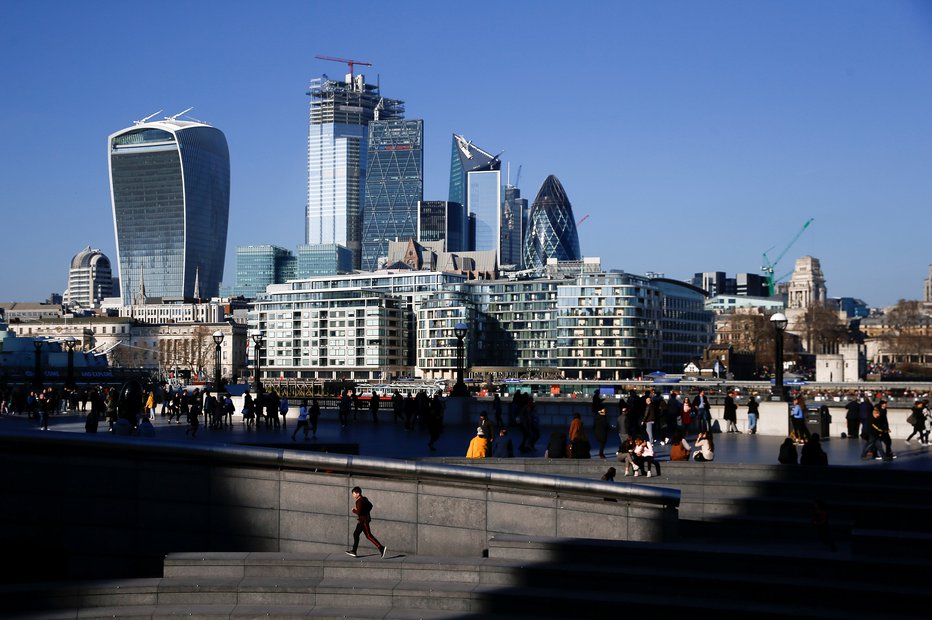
x: 523, y: 577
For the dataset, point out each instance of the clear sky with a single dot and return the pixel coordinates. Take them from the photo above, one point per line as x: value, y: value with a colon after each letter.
x: 696, y: 135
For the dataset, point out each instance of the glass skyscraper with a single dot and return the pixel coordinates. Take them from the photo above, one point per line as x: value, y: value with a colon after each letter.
x: 514, y: 216
x: 484, y: 202
x: 340, y: 113
x: 257, y: 266
x: 439, y: 220
x: 466, y: 157
x: 323, y: 260
x: 551, y: 228
x: 394, y: 186
x: 170, y: 190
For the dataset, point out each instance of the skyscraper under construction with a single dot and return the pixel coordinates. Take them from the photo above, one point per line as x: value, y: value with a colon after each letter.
x: 340, y: 112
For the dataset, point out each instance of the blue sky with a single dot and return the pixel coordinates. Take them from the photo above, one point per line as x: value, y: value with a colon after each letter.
x: 695, y: 135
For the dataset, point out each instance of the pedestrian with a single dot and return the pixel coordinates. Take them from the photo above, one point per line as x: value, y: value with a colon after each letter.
x: 302, y: 422
x: 788, y: 454
x: 363, y: 511
x: 346, y: 404
x: 502, y: 448
x: 556, y: 448
x: 398, y: 407
x: 478, y: 446
x: 313, y: 417
x: 374, y: 406
x: 730, y: 413
x: 497, y: 411
x: 917, y: 419
x: 283, y: 409
x: 873, y: 444
x: 753, y: 414
x: 812, y: 453
x: 600, y: 430
x: 643, y: 456
x: 799, y: 421
x: 705, y: 448
x: 679, y: 447
x: 852, y: 417
x: 702, y: 408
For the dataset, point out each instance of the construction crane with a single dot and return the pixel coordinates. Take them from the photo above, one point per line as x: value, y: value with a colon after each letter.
x: 769, y: 265
x: 584, y: 218
x: 347, y: 61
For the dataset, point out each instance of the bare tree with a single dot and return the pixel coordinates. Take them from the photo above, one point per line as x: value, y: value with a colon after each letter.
x: 823, y: 330
x: 907, y: 334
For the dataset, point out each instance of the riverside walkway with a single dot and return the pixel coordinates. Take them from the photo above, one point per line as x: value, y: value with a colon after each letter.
x: 390, y: 440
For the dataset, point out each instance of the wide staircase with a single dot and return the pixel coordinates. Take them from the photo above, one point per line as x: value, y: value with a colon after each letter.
x: 747, y: 548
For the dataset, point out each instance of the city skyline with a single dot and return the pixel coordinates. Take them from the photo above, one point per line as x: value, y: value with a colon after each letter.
x: 695, y: 136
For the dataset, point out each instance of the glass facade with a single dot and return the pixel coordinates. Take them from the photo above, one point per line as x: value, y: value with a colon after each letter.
x: 687, y: 326
x: 394, y: 186
x: 322, y: 260
x: 514, y: 216
x: 439, y: 220
x: 484, y: 201
x: 257, y: 266
x: 336, y: 153
x: 170, y: 190
x: 464, y: 158
x: 551, y: 229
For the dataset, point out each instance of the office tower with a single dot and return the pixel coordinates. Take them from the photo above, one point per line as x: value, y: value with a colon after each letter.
x: 257, y: 266
x: 551, y: 229
x: 338, y: 135
x: 465, y: 158
x: 170, y: 188
x: 713, y: 282
x: 394, y: 186
x: 439, y: 220
x: 484, y: 203
x: 751, y: 285
x: 90, y: 279
x: 323, y: 260
x: 514, y: 216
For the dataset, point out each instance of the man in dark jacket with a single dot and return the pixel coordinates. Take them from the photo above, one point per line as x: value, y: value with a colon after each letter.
x: 363, y: 512
x: 853, y: 417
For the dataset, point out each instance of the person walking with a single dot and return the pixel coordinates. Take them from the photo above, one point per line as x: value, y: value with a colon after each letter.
x: 730, y: 414
x: 853, y: 417
x: 363, y: 511
x: 753, y: 414
x: 702, y: 408
x: 313, y: 416
x: 917, y: 419
x: 600, y: 430
x: 302, y: 422
x: 799, y: 421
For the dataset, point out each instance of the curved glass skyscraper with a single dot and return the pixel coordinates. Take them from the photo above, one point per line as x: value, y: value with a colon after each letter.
x: 551, y: 228
x: 170, y: 189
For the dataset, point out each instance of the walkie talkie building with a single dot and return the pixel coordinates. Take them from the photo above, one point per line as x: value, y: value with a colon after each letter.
x: 170, y: 189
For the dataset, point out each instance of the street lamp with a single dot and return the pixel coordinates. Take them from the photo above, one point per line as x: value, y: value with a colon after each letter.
x: 218, y: 340
x: 779, y: 323
x: 257, y: 339
x: 37, y: 375
x: 460, y: 330
x: 70, y: 342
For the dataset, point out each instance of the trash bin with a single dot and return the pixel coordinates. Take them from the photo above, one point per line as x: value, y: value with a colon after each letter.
x: 818, y: 420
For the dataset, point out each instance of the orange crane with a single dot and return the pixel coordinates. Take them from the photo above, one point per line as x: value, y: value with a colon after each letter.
x: 349, y: 62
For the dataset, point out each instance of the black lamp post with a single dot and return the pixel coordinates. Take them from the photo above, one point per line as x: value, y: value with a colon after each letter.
x: 257, y: 339
x: 779, y: 323
x: 70, y: 342
x: 218, y: 340
x: 37, y: 375
x: 459, y: 388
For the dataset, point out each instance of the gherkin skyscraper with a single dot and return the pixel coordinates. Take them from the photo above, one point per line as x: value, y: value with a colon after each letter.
x: 551, y: 229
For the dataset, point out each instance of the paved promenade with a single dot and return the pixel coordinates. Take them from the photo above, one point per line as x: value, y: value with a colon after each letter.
x: 387, y: 439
